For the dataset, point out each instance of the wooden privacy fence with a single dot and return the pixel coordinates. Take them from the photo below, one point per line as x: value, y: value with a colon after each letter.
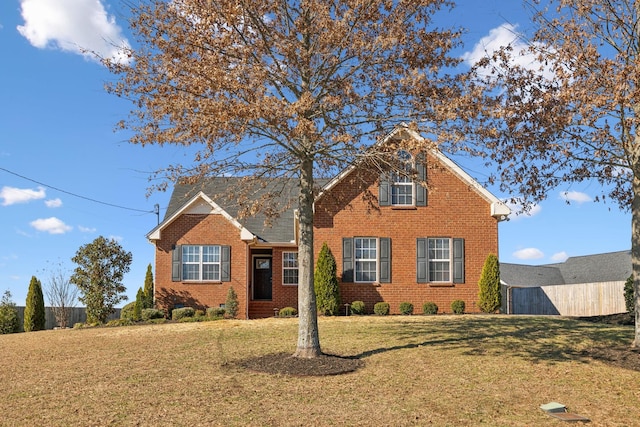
x: 584, y: 299
x: 76, y: 315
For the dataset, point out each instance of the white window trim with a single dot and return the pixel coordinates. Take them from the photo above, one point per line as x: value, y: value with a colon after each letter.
x: 201, y: 263
x: 355, y: 260
x: 297, y: 267
x: 449, y: 260
x: 396, y: 183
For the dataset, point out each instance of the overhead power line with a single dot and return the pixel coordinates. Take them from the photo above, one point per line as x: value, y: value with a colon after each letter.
x: 78, y: 195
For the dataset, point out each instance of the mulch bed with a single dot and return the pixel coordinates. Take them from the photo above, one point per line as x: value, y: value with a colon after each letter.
x: 286, y: 364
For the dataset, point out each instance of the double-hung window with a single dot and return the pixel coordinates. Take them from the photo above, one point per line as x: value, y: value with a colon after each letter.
x: 366, y: 259
x: 201, y: 263
x: 401, y: 182
x: 405, y: 186
x: 290, y: 268
x: 440, y: 260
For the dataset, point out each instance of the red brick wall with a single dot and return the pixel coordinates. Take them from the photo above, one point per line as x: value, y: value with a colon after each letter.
x: 454, y: 210
x: 283, y: 295
x: 200, y: 230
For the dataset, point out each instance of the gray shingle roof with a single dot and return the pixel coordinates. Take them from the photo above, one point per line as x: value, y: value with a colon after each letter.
x: 608, y: 267
x: 283, y: 193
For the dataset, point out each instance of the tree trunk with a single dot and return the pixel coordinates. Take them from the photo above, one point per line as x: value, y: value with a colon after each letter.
x: 308, y: 338
x: 635, y: 254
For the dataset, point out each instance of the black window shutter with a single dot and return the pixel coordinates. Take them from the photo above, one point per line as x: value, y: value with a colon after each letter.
x: 421, y: 191
x: 421, y: 260
x: 384, y: 191
x: 225, y: 263
x: 176, y: 263
x: 458, y: 260
x: 347, y: 259
x: 385, y: 260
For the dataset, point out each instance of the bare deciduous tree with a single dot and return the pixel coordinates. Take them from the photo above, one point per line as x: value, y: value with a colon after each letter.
x: 62, y: 296
x: 299, y: 89
x: 570, y: 113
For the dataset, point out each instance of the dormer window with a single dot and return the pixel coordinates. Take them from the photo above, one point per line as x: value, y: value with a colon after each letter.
x: 399, y: 188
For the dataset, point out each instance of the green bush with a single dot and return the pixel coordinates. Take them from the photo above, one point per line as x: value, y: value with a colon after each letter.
x: 288, y: 312
x: 381, y: 308
x: 430, y: 308
x: 489, y: 284
x: 128, y: 311
x: 357, y: 307
x: 119, y: 322
x: 138, y: 305
x: 9, y: 320
x: 231, y: 304
x: 151, y: 313
x: 181, y: 313
x: 325, y: 282
x: 34, y: 317
x: 215, y: 312
x: 406, y: 308
x: 199, y: 313
x: 458, y: 306
x: 629, y: 295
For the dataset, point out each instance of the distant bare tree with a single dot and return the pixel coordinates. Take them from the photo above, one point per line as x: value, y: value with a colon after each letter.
x: 62, y: 296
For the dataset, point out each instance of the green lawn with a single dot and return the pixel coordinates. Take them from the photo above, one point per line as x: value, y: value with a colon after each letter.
x: 418, y: 370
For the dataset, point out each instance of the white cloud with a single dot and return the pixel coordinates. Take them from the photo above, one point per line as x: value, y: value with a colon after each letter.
x: 502, y: 36
x: 528, y: 253
x: 50, y: 225
x: 575, y: 196
x: 76, y: 26
x: 86, y: 229
x: 53, y: 203
x: 116, y: 238
x: 559, y: 257
x: 12, y: 195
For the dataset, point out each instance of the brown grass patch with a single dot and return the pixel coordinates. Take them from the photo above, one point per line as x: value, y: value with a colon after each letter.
x: 416, y: 370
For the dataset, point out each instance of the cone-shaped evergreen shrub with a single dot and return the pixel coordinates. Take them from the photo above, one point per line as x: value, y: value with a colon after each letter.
x: 490, y: 285
x: 138, y: 305
x: 629, y: 295
x: 34, y: 319
x: 325, y: 283
x: 231, y: 304
x: 148, y: 289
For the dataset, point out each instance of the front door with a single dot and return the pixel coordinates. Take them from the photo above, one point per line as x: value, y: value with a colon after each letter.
x: 261, y: 278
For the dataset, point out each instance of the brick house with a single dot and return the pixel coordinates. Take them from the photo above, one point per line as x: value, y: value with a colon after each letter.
x: 406, y: 243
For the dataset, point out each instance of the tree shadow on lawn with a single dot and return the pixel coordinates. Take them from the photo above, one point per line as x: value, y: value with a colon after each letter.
x: 534, y: 338
x: 537, y: 339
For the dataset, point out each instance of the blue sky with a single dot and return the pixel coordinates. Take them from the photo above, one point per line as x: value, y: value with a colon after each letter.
x: 66, y: 177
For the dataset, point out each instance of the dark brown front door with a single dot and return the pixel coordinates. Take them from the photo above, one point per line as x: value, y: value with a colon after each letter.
x: 262, y: 278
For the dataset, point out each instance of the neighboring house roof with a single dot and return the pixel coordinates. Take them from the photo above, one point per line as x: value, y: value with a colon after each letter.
x: 608, y: 267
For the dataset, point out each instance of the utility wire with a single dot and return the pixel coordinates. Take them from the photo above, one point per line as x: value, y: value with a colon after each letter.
x: 77, y: 195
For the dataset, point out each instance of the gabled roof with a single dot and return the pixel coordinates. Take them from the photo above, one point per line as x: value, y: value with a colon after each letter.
x: 499, y: 209
x: 186, y: 196
x: 607, y: 267
x: 200, y: 197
